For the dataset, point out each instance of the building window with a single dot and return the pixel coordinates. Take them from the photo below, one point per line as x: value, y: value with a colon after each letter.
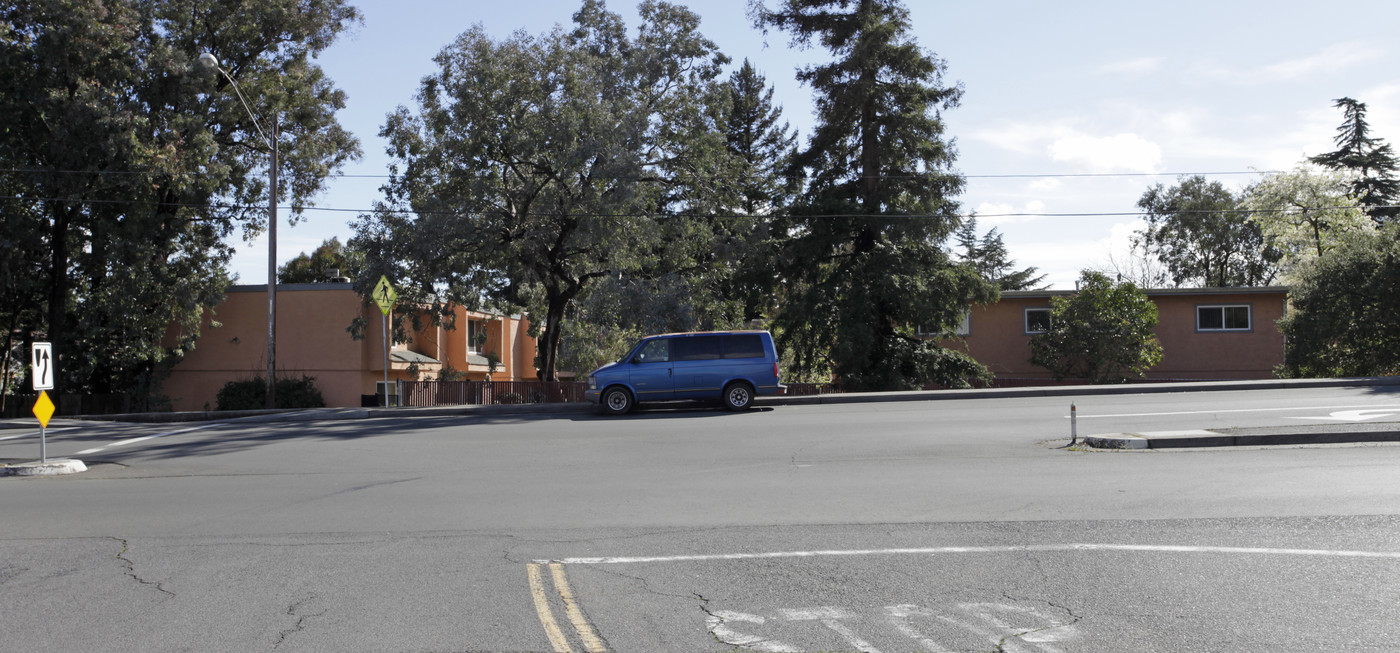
x: 1236, y: 317
x: 1037, y: 320
x: 475, y: 335
x: 964, y: 328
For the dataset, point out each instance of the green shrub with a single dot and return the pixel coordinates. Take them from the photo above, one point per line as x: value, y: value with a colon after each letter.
x: 251, y: 394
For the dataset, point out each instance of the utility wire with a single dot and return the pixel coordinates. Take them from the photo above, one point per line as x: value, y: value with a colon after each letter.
x: 1046, y: 175
x: 729, y: 216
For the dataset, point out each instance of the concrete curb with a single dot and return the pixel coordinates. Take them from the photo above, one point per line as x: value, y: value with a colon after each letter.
x: 330, y: 414
x: 1078, y: 390
x: 52, y: 467
x: 1256, y: 437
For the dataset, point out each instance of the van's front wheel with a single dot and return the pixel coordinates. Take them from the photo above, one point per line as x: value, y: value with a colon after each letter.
x: 616, y: 401
x: 738, y: 396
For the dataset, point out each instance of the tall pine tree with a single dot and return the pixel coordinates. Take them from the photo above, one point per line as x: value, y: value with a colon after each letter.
x: 1371, y: 159
x: 990, y: 258
x: 755, y: 135
x: 863, y: 254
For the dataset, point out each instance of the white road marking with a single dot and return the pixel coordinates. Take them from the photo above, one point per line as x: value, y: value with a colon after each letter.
x: 122, y: 443
x: 1233, y: 410
x: 1353, y: 415
x: 36, y: 433
x: 981, y: 549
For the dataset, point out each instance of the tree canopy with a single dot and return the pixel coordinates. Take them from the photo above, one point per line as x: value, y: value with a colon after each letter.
x: 1344, y: 314
x: 990, y: 258
x: 1197, y: 230
x: 1371, y: 161
x: 315, y: 267
x: 1103, y: 332
x: 1304, y: 213
x: 861, y: 251
x: 127, y: 164
x: 536, y: 166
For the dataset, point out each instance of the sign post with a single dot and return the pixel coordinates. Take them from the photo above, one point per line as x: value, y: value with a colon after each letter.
x: 41, y: 365
x: 385, y: 296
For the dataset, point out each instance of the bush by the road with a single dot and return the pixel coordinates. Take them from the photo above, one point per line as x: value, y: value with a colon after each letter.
x: 251, y: 394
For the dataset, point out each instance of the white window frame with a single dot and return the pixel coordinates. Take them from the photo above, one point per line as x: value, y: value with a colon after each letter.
x: 474, y: 327
x: 1225, y: 328
x: 1026, y: 319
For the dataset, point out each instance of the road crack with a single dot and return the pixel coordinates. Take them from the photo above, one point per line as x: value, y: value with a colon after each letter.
x: 295, y: 610
x: 130, y: 567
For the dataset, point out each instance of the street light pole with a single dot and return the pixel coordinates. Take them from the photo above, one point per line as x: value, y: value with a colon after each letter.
x: 272, y: 276
x: 208, y: 60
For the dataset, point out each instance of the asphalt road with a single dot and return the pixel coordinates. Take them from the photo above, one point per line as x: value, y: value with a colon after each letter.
x: 917, y: 526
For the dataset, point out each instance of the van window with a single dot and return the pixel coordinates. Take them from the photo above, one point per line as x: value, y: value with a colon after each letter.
x: 745, y: 345
x: 654, y: 351
x: 695, y: 348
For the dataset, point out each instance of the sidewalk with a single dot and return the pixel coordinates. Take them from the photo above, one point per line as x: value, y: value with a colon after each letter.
x: 1303, y: 434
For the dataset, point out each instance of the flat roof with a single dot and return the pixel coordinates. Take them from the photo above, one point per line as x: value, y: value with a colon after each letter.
x: 1256, y: 290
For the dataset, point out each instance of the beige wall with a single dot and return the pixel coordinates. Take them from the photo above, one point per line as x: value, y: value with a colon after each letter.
x: 312, y: 339
x: 998, y: 340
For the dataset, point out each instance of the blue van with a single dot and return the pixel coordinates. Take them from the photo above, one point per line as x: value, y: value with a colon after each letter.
x: 731, y: 366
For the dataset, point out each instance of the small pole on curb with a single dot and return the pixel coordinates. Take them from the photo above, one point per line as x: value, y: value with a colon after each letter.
x: 42, y: 366
x: 1073, y: 424
x: 384, y: 295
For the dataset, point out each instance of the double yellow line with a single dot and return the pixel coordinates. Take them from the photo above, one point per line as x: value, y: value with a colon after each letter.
x: 586, y: 634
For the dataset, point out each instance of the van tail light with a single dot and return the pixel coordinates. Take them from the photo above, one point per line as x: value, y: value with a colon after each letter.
x: 775, y: 370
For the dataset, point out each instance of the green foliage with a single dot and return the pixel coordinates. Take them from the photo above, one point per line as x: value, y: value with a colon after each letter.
x: 535, y: 166
x: 146, y: 162
x: 860, y: 254
x: 1371, y: 161
x: 251, y: 394
x: 1196, y: 229
x: 1102, y: 333
x: 314, y: 267
x: 1344, y: 312
x: 990, y: 258
x: 588, y: 346
x: 1304, y: 213
x: 754, y: 135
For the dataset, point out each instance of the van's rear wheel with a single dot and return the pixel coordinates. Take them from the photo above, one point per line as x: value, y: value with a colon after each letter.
x: 616, y: 401
x: 738, y: 396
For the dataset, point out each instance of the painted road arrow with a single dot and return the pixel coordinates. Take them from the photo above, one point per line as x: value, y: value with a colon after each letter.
x: 1354, y: 415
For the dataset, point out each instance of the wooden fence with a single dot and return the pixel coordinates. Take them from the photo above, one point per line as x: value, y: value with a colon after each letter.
x: 457, y: 393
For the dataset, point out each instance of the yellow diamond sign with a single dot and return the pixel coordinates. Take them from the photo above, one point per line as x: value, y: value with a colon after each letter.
x: 43, y: 409
x: 384, y: 295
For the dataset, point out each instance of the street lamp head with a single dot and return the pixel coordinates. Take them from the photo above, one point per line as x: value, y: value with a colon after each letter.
x: 208, y: 60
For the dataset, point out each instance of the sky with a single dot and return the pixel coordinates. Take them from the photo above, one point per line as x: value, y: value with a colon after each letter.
x: 1069, y: 108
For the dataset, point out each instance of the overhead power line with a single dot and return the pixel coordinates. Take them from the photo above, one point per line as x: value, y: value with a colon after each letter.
x: 732, y: 216
x: 1042, y: 175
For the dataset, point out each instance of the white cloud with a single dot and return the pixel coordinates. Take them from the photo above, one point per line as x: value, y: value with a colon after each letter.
x: 999, y: 213
x: 1118, y: 153
x: 1140, y: 66
x: 1023, y: 138
x: 1042, y: 185
x: 1330, y: 60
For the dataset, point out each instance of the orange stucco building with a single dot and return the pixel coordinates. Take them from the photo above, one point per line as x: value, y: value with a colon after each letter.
x: 1205, y: 333
x: 312, y: 339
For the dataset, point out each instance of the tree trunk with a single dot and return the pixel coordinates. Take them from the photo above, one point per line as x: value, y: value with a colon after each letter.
x: 58, y: 292
x: 555, y: 301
